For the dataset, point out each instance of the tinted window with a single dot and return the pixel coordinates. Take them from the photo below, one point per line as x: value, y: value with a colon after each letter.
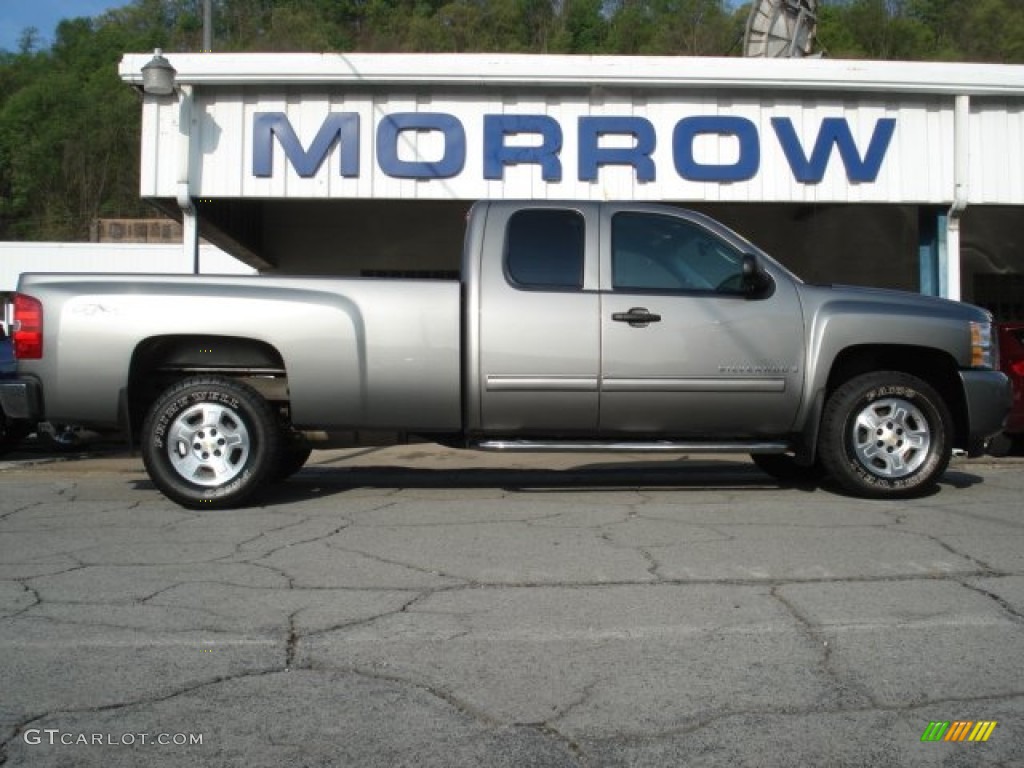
x: 544, y: 249
x: 662, y: 253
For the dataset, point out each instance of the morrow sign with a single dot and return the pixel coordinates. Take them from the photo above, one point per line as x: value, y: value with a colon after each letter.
x: 538, y: 139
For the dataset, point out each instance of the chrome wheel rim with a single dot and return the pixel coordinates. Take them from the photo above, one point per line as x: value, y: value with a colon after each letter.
x: 891, y: 438
x: 208, y: 444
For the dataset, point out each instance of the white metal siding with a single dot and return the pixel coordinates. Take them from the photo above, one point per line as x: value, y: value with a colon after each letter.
x: 139, y: 258
x: 917, y: 168
x: 996, y: 153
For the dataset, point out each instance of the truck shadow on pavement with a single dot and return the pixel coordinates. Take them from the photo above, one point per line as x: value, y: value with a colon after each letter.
x: 335, y: 475
x: 726, y: 477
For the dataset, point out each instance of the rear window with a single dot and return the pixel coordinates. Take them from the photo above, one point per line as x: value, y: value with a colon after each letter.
x: 544, y: 249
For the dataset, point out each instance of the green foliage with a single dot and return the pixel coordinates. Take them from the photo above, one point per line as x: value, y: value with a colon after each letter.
x: 69, y: 127
x: 924, y: 30
x: 68, y: 134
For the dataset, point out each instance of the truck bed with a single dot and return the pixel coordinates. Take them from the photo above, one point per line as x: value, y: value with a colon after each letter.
x: 359, y: 352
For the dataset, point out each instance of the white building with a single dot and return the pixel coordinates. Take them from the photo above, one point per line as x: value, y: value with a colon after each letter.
x: 906, y: 175
x: 140, y: 258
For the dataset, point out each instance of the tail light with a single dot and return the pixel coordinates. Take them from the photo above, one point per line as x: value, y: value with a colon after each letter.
x: 28, y: 327
x: 1017, y: 366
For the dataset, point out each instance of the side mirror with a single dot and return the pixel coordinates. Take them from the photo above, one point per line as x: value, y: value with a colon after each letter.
x: 756, y: 282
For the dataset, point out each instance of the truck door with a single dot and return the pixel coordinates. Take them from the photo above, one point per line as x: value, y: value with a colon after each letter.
x: 536, y: 309
x: 685, y: 350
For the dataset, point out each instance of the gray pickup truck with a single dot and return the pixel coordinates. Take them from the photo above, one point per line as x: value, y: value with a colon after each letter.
x: 573, y: 326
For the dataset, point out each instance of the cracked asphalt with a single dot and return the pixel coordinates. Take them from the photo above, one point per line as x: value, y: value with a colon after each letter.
x: 416, y: 606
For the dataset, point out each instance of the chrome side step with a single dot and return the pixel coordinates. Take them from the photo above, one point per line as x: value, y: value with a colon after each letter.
x: 641, y: 446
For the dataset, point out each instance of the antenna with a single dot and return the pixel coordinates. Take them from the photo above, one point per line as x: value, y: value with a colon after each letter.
x: 779, y: 29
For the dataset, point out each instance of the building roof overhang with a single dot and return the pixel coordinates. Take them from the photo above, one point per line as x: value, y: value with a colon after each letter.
x: 557, y: 71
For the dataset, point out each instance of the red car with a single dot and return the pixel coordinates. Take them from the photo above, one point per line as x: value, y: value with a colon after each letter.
x: 1011, y: 362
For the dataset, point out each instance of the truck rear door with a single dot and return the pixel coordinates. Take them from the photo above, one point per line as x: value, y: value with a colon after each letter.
x: 537, y: 332
x: 684, y: 351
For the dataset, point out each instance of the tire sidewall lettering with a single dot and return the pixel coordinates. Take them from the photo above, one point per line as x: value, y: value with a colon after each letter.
x: 880, y: 393
x: 181, y: 404
x: 230, y: 488
x: 895, y: 484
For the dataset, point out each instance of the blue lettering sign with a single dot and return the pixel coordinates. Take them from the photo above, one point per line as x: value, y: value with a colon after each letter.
x: 689, y: 128
x: 835, y: 131
x: 497, y: 155
x: 343, y: 129
x: 591, y: 156
x: 338, y: 127
x: 389, y: 133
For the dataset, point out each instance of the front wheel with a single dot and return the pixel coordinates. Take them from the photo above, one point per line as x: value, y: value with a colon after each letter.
x: 210, y: 442
x: 291, y: 459
x: 885, y: 435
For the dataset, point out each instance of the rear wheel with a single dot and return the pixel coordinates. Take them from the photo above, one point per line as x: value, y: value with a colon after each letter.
x: 11, y: 433
x: 210, y: 442
x: 885, y: 435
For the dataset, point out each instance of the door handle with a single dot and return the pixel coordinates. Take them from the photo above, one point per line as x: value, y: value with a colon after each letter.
x: 637, y: 317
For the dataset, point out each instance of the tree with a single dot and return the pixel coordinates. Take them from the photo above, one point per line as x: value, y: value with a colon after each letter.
x: 581, y: 27
x: 68, y: 135
x: 69, y: 145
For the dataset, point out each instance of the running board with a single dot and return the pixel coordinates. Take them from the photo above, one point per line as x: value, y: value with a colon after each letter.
x: 655, y: 446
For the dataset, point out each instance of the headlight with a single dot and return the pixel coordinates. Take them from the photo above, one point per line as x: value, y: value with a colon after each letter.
x: 984, y: 353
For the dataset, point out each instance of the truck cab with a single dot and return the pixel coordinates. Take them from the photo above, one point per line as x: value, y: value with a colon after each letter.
x: 629, y: 322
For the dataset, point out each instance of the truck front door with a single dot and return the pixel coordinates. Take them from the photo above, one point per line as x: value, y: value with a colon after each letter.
x: 685, y: 351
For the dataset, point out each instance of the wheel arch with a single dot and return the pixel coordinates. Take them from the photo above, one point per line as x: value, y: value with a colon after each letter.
x: 160, y: 361
x: 931, y: 365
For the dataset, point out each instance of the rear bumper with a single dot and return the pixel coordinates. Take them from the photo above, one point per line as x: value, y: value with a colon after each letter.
x: 20, y: 401
x: 987, y: 395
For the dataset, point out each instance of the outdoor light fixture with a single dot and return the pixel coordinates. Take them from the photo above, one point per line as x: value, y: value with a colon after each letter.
x: 158, y: 75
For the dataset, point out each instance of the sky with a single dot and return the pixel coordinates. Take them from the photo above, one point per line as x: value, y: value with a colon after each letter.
x: 44, y: 15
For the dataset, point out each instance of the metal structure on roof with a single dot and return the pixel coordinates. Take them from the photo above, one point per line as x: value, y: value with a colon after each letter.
x: 781, y: 29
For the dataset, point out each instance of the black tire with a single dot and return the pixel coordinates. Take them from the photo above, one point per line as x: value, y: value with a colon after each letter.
x: 1017, y: 446
x: 11, y: 433
x: 784, y: 468
x: 885, y: 434
x: 210, y: 443
x: 1000, y: 445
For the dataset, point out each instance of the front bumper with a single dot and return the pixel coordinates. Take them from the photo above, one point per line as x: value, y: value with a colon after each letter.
x: 20, y: 400
x: 987, y: 395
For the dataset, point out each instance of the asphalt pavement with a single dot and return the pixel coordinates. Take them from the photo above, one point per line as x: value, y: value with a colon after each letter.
x: 418, y: 606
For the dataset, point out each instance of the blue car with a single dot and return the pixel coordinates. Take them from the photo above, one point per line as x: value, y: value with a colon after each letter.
x: 11, y: 432
x: 6, y: 353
